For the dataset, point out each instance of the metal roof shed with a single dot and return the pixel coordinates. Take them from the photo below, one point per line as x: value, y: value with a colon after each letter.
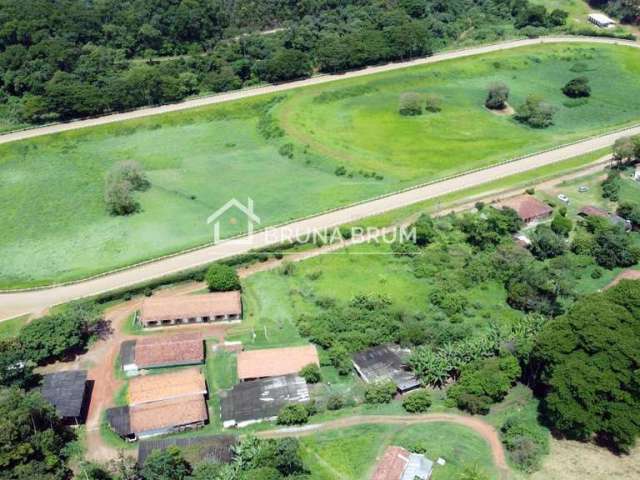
x: 67, y: 392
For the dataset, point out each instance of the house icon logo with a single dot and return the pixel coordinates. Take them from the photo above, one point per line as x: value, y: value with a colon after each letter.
x: 247, y: 210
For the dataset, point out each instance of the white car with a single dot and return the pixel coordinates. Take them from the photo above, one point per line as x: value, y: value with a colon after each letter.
x: 563, y: 198
x: 583, y: 188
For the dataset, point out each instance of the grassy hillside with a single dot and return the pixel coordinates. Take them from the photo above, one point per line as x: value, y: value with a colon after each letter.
x: 53, y: 221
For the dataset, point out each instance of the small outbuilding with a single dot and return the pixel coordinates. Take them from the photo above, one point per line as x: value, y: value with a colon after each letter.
x: 68, y: 392
x: 261, y: 400
x: 385, y: 362
x: 528, y: 208
x: 398, y: 463
x: 275, y: 362
x: 163, y: 351
x: 601, y: 20
x: 190, y: 309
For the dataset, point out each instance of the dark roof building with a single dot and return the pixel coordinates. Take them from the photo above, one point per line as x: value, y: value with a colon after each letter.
x: 259, y: 400
x: 385, y: 363
x: 68, y: 393
x: 528, y: 208
x: 213, y: 448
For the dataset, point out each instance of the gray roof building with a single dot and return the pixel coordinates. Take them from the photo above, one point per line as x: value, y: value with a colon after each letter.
x: 385, y: 362
x: 67, y: 392
x: 259, y: 400
x: 213, y: 448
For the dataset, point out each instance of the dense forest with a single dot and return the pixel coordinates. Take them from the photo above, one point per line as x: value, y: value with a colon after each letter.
x: 75, y: 58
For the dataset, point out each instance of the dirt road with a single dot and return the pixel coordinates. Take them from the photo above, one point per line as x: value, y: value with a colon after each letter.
x: 479, y: 426
x: 236, y: 95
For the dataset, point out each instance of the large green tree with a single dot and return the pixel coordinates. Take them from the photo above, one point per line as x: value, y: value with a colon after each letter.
x: 588, y: 368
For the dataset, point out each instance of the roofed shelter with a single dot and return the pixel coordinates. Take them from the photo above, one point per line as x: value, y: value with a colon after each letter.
x: 163, y: 351
x: 528, y: 208
x: 168, y: 386
x: 212, y: 448
x: 399, y: 464
x: 275, y: 362
x: 68, y: 393
x: 190, y: 309
x: 614, y: 219
x: 385, y: 362
x: 158, y: 418
x: 601, y: 20
x: 260, y: 400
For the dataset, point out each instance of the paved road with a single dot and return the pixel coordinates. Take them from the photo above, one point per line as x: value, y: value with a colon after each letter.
x: 226, y: 97
x: 18, y: 303
x: 481, y: 427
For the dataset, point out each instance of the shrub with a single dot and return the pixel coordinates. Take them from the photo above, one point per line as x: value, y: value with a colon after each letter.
x: 122, y: 180
x: 526, y: 441
x: 417, y: 402
x: 335, y: 402
x: 410, y: 104
x: 311, y: 373
x: 340, y: 171
x: 536, y: 113
x: 497, y: 96
x: 222, y: 278
x: 295, y: 414
x: 611, y: 186
x: 286, y: 150
x: 562, y: 225
x: 379, y: 392
x: 433, y: 104
x: 577, y: 88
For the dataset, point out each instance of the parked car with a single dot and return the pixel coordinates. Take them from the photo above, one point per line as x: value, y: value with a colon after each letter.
x: 563, y: 198
x: 583, y: 188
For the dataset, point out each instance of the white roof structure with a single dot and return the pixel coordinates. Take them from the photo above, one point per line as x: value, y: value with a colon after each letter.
x: 418, y: 467
x: 601, y: 19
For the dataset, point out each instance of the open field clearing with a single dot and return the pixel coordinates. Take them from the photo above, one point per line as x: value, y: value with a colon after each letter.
x: 52, y: 215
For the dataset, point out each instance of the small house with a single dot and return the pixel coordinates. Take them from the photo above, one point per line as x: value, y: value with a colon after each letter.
x: 261, y: 400
x: 385, y: 362
x: 159, y: 352
x: 68, y: 392
x: 399, y: 464
x: 601, y: 20
x: 528, y: 208
x: 275, y: 362
x: 593, y: 211
x: 190, y: 309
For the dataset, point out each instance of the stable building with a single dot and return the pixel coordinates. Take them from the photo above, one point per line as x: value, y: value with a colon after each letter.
x: 69, y: 393
x: 398, y: 463
x: 190, y: 309
x: 158, y: 418
x: 261, y: 400
x: 385, y: 362
x: 160, y: 352
x: 275, y: 362
x: 528, y: 208
x: 168, y: 386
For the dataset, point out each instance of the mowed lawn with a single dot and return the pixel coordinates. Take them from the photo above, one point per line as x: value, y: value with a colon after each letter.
x: 54, y: 226
x: 351, y: 453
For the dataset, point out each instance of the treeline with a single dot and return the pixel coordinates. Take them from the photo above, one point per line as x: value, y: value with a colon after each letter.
x: 70, y: 59
x: 628, y: 11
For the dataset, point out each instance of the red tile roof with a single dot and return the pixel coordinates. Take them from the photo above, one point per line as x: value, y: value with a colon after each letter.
x: 169, y: 350
x: 177, y: 384
x: 274, y: 362
x: 168, y: 413
x: 392, y: 464
x: 528, y: 208
x: 189, y: 306
x: 591, y: 211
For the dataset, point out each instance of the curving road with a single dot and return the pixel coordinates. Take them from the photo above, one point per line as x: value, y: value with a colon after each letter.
x: 19, y: 303
x: 247, y: 93
x: 486, y: 431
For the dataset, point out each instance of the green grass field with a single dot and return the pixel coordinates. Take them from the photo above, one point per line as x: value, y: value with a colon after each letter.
x: 53, y: 222
x: 351, y: 453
